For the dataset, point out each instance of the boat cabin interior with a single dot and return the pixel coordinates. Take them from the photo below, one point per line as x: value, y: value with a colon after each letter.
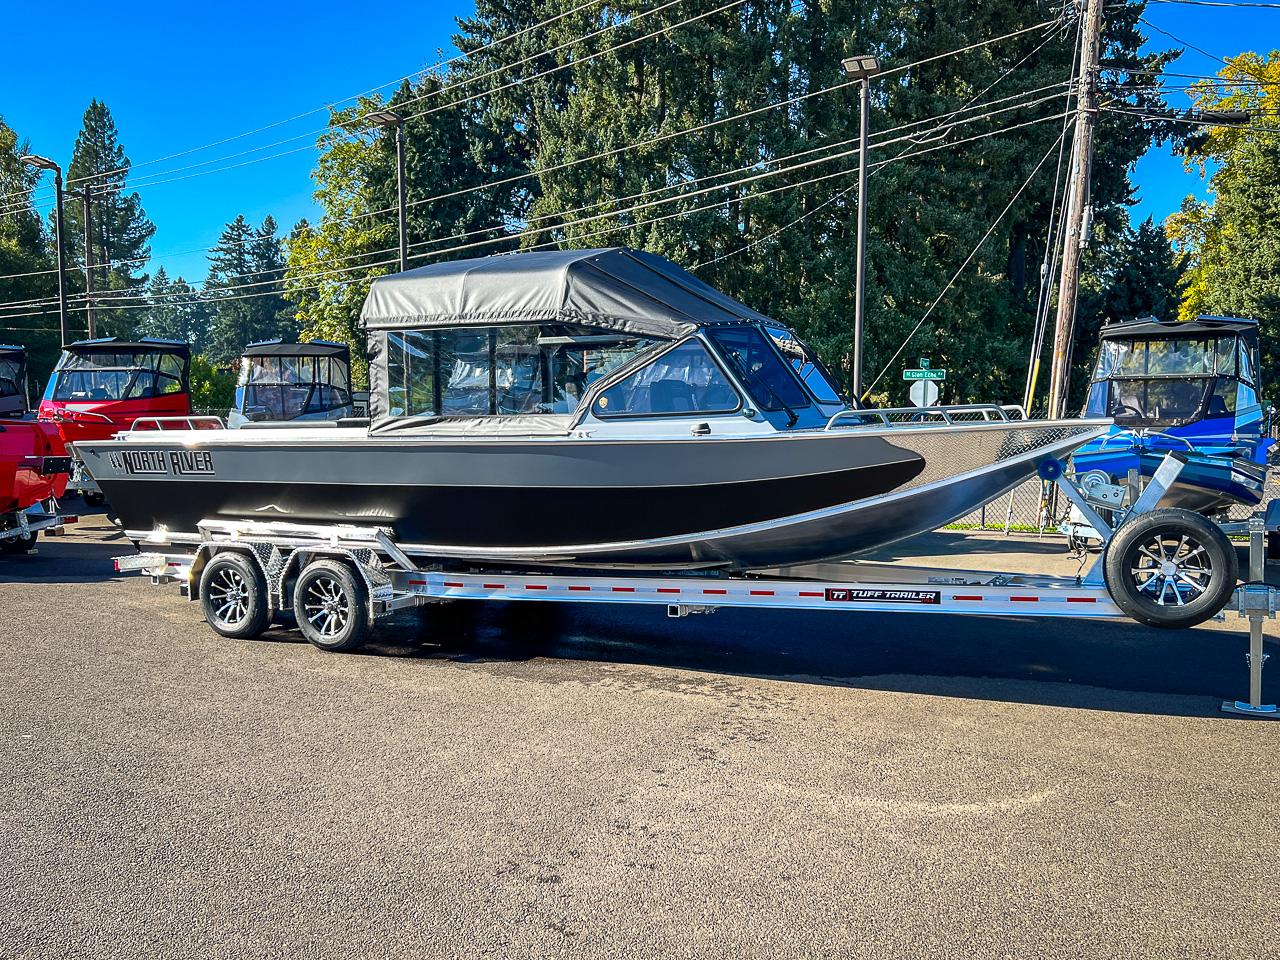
x: 13, y: 381
x: 1161, y: 374
x: 112, y: 369
x: 282, y: 382
x: 589, y: 339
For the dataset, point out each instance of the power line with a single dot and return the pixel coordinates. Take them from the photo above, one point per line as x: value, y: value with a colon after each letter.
x: 239, y: 136
x: 967, y: 260
x: 215, y: 294
x: 679, y: 213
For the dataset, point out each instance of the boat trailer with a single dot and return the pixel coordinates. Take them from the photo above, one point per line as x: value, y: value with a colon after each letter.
x: 19, y: 529
x: 338, y: 579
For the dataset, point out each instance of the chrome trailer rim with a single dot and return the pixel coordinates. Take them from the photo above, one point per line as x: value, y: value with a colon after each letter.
x: 1171, y: 570
x: 229, y: 596
x: 327, y: 606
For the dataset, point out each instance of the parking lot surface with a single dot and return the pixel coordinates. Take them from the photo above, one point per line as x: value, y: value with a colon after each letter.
x: 540, y: 780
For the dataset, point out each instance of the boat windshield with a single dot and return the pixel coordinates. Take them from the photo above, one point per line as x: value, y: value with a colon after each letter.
x: 500, y: 370
x: 758, y: 366
x: 10, y: 377
x: 1170, y: 382
x: 286, y: 388
x: 133, y: 375
x: 1200, y: 357
x: 806, y: 365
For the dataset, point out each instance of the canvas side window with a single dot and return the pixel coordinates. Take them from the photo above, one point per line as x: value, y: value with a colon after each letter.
x: 411, y: 379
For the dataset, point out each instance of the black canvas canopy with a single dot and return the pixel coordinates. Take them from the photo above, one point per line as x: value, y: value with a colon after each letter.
x: 312, y: 348
x: 1204, y: 325
x: 613, y: 288
x: 121, y: 345
x: 9, y: 351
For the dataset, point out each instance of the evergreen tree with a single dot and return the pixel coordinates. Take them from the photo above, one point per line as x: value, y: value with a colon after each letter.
x: 26, y: 262
x: 122, y: 232
x: 176, y: 312
x: 245, y: 290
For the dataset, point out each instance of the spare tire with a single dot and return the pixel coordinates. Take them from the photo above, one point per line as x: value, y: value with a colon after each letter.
x: 1170, y: 568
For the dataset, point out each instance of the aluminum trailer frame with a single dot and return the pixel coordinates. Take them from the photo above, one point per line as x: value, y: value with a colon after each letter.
x: 44, y: 516
x: 394, y: 581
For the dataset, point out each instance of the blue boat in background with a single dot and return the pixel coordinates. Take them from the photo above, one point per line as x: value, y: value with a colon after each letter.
x: 1191, y: 387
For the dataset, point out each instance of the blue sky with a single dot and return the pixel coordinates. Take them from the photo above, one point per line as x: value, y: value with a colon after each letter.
x: 181, y: 77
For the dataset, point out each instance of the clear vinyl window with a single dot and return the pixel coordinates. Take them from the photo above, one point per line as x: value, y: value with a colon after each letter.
x: 685, y: 379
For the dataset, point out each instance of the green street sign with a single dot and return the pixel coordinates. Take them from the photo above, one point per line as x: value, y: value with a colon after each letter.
x: 924, y: 374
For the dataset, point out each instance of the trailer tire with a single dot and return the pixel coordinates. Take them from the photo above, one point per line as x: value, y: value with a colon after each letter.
x: 19, y: 544
x: 93, y: 500
x: 233, y: 596
x: 1170, y: 568
x: 331, y: 605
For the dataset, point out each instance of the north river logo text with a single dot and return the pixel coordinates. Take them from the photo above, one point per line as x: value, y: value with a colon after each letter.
x: 164, y: 462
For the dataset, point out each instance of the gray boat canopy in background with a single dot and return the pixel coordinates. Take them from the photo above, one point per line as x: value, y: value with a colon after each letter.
x: 613, y: 288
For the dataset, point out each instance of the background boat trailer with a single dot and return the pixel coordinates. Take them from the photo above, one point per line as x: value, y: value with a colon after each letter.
x: 22, y: 525
x: 281, y: 551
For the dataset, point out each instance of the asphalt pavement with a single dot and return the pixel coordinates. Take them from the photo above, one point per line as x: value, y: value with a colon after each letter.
x: 546, y: 780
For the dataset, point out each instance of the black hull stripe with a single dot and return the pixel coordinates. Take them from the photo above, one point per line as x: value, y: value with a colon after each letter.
x: 502, y: 516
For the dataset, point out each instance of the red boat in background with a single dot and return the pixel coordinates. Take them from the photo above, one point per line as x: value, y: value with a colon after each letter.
x: 103, y: 386
x: 34, y: 465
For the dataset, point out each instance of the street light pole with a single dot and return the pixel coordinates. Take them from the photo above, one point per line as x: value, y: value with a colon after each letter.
x: 862, y: 68
x: 87, y: 209
x: 44, y: 163
x: 387, y: 119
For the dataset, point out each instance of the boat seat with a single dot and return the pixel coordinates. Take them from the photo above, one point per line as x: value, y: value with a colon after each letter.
x: 671, y: 396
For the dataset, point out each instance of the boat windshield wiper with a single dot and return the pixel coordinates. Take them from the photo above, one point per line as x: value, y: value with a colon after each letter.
x: 752, y: 382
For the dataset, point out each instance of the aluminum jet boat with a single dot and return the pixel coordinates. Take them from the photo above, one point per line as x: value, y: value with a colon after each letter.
x: 33, y: 461
x: 105, y: 385
x: 586, y: 408
x: 293, y: 383
x: 1191, y: 387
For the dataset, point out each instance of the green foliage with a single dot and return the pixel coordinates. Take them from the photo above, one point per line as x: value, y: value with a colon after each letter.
x: 25, y: 249
x: 1232, y: 242
x: 122, y: 232
x: 213, y: 389
x: 244, y: 291
x: 176, y: 313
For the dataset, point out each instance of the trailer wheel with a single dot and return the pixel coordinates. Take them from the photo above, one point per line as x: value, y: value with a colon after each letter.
x: 19, y: 544
x: 233, y: 596
x: 1170, y: 568
x: 92, y: 499
x: 331, y: 605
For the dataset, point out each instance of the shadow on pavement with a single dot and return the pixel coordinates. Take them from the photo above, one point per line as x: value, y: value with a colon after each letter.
x: 1115, y: 666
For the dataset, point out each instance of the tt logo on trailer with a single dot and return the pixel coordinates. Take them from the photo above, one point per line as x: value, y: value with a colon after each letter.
x: 875, y: 595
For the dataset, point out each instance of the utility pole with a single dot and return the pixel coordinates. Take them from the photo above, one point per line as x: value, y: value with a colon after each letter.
x: 388, y: 119
x: 1076, y: 223
x: 860, y: 68
x: 44, y: 163
x: 87, y: 209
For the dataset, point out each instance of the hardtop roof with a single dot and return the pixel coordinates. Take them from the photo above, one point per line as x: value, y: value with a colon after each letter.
x: 1205, y: 324
x: 121, y: 345
x: 311, y: 348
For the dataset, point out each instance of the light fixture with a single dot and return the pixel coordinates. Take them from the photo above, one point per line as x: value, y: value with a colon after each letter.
x: 861, y: 67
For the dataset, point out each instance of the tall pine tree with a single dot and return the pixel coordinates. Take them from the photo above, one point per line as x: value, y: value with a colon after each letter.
x: 245, y: 290
x: 122, y: 232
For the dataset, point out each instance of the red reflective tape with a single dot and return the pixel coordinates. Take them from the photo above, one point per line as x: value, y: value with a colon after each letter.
x: 493, y: 586
x: 668, y: 589
x: 762, y: 593
x: 966, y: 596
x: 174, y: 563
x: 624, y: 589
x: 1082, y: 599
x: 423, y: 583
x: 580, y: 588
x: 1024, y: 599
x: 812, y: 593
x: 535, y: 586
x: 447, y: 583
x: 70, y: 519
x: 716, y: 592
